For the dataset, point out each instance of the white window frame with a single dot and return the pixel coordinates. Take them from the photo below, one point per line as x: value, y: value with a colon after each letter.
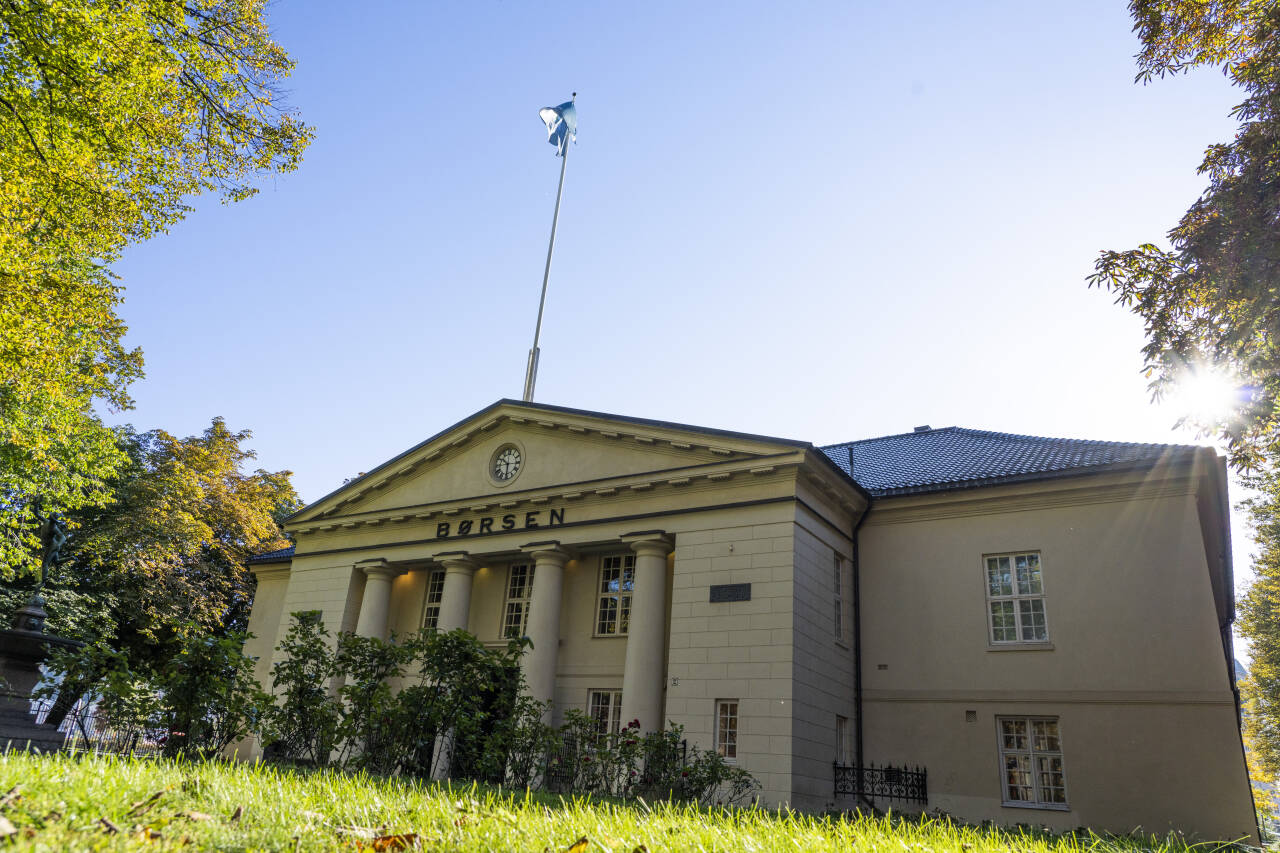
x: 1037, y: 750
x: 434, y: 595
x: 728, y: 727
x: 1018, y: 599
x: 838, y: 582
x: 619, y: 597
x: 521, y: 601
x: 613, y: 706
x: 842, y: 739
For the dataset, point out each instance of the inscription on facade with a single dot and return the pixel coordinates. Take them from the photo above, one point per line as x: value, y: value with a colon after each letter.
x: 531, y: 520
x: 722, y: 592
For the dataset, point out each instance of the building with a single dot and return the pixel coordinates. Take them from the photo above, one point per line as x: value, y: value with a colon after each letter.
x: 1042, y: 625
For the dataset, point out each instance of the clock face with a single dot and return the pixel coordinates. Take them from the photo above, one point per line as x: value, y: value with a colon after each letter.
x: 506, y: 463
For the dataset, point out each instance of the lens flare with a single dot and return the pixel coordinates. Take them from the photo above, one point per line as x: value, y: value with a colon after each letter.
x: 1206, y: 395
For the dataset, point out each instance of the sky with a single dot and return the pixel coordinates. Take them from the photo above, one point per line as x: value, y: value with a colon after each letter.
x: 820, y: 221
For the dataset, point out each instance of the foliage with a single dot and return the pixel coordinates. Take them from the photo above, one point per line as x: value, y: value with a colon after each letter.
x: 528, y: 742
x: 371, y: 730
x: 1259, y: 608
x: 200, y: 702
x: 1211, y: 297
x: 65, y: 799
x: 302, y: 722
x: 111, y: 117
x: 166, y: 558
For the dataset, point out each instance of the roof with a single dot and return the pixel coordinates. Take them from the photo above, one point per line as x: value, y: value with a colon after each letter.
x: 280, y: 556
x: 926, y: 460
x: 930, y: 460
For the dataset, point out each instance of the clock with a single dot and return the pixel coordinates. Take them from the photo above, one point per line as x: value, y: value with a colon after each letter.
x: 506, y: 463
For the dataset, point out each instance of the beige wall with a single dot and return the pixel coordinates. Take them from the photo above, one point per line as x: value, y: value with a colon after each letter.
x: 1134, y: 668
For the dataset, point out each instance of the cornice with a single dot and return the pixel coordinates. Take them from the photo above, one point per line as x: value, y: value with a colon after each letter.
x: 692, y: 480
x: 1086, y: 697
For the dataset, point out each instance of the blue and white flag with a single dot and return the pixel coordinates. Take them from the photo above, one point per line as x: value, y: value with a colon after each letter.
x: 562, y: 125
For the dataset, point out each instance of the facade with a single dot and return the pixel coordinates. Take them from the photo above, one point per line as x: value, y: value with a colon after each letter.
x: 1041, y: 625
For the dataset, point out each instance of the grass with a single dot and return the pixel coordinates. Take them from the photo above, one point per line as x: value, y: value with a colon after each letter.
x: 64, y: 802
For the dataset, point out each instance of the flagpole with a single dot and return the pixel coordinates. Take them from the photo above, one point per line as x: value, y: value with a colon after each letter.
x: 531, y: 371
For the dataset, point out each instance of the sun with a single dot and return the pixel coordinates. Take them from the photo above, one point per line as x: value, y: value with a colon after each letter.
x: 1205, y: 395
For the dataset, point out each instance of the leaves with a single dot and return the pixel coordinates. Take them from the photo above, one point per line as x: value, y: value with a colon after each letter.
x: 111, y: 118
x: 1213, y: 297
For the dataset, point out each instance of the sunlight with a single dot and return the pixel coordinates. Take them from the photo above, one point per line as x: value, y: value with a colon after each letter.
x: 1205, y: 395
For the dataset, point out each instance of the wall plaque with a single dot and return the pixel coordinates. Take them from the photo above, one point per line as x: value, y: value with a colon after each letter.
x: 722, y: 592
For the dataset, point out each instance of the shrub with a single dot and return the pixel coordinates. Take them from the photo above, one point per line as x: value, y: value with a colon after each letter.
x: 302, y: 723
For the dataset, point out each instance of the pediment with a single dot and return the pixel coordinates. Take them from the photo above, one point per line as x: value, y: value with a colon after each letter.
x: 558, y: 448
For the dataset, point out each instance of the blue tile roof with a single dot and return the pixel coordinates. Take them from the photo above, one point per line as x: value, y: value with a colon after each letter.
x: 955, y: 457
x: 273, y: 556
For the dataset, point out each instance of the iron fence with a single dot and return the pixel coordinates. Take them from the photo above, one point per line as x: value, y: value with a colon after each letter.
x: 886, y: 782
x: 86, y: 730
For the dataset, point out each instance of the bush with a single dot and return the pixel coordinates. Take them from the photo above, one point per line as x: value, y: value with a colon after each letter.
x: 302, y: 723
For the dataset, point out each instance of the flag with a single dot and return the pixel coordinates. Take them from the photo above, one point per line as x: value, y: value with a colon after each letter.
x: 562, y: 125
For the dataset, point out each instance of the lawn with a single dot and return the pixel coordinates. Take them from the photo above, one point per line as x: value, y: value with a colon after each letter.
x: 106, y: 803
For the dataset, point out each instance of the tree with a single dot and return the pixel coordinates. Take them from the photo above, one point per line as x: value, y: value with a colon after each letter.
x: 1213, y: 296
x: 111, y: 117
x: 166, y: 559
x: 1260, y: 622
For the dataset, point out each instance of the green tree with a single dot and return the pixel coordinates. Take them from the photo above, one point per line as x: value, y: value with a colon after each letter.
x: 1259, y: 610
x: 1213, y: 296
x: 112, y: 116
x: 166, y: 559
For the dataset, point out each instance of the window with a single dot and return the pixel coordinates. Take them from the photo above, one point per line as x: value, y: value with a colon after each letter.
x: 435, y: 592
x: 617, y: 579
x: 839, y: 595
x: 605, y: 707
x: 515, y: 613
x: 842, y: 740
x: 1015, y: 599
x: 727, y: 728
x: 1031, y: 762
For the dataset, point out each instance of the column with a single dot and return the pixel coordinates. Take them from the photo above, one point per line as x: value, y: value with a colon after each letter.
x: 644, y: 676
x: 376, y: 604
x: 543, y: 628
x: 455, y: 599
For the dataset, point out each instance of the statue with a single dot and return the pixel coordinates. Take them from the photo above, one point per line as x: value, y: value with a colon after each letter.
x: 53, y: 538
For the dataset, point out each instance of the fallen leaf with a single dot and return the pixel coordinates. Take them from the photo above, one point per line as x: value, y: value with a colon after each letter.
x: 7, y: 828
x: 108, y: 826
x: 640, y: 848
x: 10, y: 797
x: 402, y: 841
x: 149, y: 834
x: 194, y: 815
x: 237, y: 814
x: 142, y: 805
x: 578, y: 846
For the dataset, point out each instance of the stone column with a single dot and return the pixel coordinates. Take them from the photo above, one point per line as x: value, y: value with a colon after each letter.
x: 644, y: 676
x: 455, y: 600
x: 376, y: 604
x: 539, y: 663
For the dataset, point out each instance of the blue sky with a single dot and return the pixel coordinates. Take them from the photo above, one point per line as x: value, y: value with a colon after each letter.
x: 823, y: 221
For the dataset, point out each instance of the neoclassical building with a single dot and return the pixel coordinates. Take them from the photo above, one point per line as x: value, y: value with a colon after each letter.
x: 1003, y: 627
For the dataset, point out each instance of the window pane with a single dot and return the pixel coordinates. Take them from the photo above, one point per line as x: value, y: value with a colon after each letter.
x: 1028, y: 574
x: 1017, y: 778
x: 624, y: 616
x: 629, y: 577
x: 1003, y: 625
x: 998, y: 578
x: 1046, y: 736
x: 607, y: 623
x: 1053, y: 787
x: 1014, y: 733
x: 1033, y: 625
x: 513, y: 620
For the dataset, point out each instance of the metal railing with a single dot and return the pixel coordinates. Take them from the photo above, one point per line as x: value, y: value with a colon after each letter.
x: 884, y: 782
x: 85, y: 730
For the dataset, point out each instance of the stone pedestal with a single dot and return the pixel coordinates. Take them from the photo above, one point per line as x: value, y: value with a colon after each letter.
x: 22, y: 650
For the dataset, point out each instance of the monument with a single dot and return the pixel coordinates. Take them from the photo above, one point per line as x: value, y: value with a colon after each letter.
x: 24, y: 647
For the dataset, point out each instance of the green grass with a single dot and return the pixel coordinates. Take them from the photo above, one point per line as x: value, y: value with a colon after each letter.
x: 70, y: 803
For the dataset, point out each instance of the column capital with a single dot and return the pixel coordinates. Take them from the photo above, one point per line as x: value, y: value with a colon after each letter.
x: 655, y: 542
x: 547, y: 552
x: 456, y: 561
x: 378, y: 567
